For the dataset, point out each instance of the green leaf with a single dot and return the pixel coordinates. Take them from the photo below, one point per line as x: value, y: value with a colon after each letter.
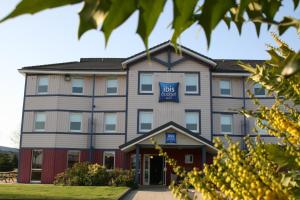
x: 288, y: 22
x: 213, y: 11
x: 149, y: 13
x: 296, y: 3
x: 183, y: 17
x: 241, y: 9
x: 293, y: 66
x: 270, y: 8
x: 119, y: 12
x: 34, y: 6
x: 92, y: 14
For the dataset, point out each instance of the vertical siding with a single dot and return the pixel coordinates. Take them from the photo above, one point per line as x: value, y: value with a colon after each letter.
x: 25, y: 166
x: 120, y: 159
x: 48, y: 166
x: 84, y: 156
x: 98, y: 156
x: 60, y: 162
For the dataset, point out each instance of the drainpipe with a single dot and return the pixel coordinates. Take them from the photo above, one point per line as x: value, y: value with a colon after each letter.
x: 92, y: 121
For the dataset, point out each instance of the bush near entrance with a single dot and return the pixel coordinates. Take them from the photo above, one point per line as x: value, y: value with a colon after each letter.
x: 86, y: 174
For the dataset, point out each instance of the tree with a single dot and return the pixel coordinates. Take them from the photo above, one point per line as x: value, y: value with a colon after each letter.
x: 109, y: 14
x: 5, y: 162
x: 262, y: 171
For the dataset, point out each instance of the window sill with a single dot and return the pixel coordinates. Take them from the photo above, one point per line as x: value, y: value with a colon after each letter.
x: 192, y: 94
x: 145, y: 93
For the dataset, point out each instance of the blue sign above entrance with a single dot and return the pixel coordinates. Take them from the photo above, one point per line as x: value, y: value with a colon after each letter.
x: 170, y: 138
x: 168, y: 92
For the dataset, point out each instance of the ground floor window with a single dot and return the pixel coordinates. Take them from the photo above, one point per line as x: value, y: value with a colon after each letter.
x: 133, y: 161
x: 109, y: 159
x: 189, y: 159
x: 36, y: 165
x: 73, y: 157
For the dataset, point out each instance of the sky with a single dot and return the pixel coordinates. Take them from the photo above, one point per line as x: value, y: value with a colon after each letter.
x: 51, y: 37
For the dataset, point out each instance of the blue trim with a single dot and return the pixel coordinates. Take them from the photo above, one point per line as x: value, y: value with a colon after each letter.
x: 73, y: 133
x: 241, y: 98
x: 22, y: 125
x: 226, y: 113
x: 92, y: 121
x: 138, y: 119
x: 211, y: 106
x: 72, y: 95
x: 241, y: 135
x: 71, y: 148
x: 244, y: 117
x: 126, y: 106
x: 64, y: 110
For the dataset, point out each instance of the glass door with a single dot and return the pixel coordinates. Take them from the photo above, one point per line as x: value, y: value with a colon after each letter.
x: 146, y: 179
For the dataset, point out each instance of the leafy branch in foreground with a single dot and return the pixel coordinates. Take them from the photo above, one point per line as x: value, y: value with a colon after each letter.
x: 261, y: 171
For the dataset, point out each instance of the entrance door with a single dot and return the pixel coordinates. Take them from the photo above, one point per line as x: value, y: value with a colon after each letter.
x: 146, y: 175
x: 156, y: 170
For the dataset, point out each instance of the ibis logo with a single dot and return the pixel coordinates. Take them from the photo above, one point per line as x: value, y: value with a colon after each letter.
x: 168, y: 92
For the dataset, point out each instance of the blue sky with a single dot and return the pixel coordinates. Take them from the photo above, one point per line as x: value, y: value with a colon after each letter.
x: 51, y: 37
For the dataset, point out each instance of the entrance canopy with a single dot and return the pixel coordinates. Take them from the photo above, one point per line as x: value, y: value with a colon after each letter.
x: 170, y: 135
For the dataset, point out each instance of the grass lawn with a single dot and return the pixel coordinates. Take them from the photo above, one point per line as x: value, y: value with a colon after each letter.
x: 41, y: 191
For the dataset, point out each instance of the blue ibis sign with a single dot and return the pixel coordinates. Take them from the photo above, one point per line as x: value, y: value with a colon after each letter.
x: 170, y: 138
x: 168, y: 92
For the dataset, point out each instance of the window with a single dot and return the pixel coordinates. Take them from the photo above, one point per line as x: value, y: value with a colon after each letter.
x: 189, y: 159
x: 110, y: 122
x: 109, y: 159
x: 146, y: 82
x: 112, y: 86
x: 145, y: 121
x: 226, y: 124
x: 75, y: 122
x: 262, y: 131
x: 40, y: 119
x: 77, y: 86
x: 259, y: 90
x: 42, y: 85
x: 225, y: 88
x: 73, y: 157
x: 192, y: 121
x: 191, y: 83
x: 36, y: 165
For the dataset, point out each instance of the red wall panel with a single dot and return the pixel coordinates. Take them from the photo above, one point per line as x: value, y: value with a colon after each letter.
x: 60, y: 161
x: 84, y: 156
x: 25, y: 166
x: 48, y: 165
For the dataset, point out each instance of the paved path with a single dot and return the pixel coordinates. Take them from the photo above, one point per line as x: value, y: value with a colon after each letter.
x: 151, y: 193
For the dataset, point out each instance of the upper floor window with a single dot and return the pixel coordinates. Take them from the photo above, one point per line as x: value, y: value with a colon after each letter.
x: 75, y: 122
x: 226, y: 124
x: 109, y: 159
x: 192, y: 121
x: 191, y: 83
x: 111, y: 86
x: 225, y: 87
x: 145, y: 121
x: 73, y: 157
x: 259, y: 90
x: 77, y: 86
x: 42, y: 85
x: 146, y: 82
x: 40, y: 120
x: 110, y: 122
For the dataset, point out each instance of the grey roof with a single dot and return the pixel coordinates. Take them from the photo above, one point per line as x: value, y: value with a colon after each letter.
x: 231, y: 65
x: 115, y: 64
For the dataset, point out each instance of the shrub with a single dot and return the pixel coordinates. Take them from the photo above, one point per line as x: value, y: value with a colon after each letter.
x: 85, y: 174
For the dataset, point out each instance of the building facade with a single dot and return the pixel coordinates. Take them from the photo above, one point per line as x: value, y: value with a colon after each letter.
x: 108, y: 110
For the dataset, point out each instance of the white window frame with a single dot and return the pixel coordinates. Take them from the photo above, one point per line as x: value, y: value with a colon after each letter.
x: 140, y: 120
x: 114, y: 153
x: 38, y: 84
x: 35, y: 120
x: 257, y: 85
x: 78, y: 151
x: 141, y: 83
x: 231, y: 120
x: 36, y: 169
x: 71, y: 121
x: 198, y: 120
x: 186, y: 160
x: 77, y: 79
x: 107, y: 84
x: 110, y: 114
x: 230, y: 87
x: 189, y: 75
